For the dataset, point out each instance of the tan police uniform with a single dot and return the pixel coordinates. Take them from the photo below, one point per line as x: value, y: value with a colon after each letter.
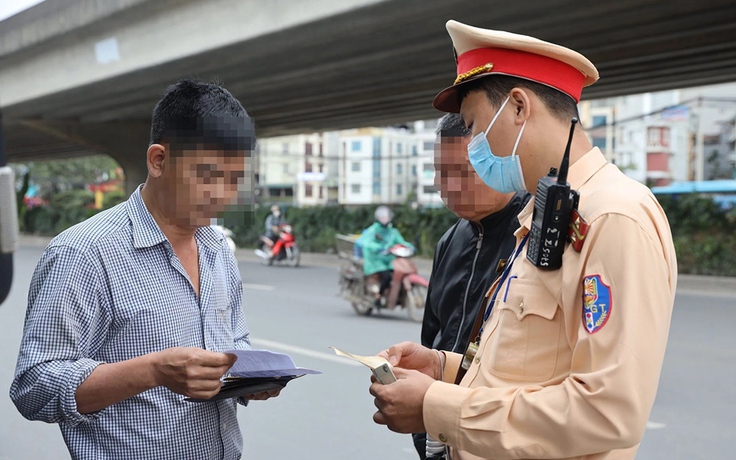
x: 569, y: 360
x: 542, y: 385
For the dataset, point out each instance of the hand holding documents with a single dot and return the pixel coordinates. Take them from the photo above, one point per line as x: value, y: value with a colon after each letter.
x: 256, y: 371
x: 379, y: 366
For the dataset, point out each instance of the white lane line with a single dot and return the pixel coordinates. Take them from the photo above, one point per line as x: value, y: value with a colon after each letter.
x: 303, y: 351
x: 258, y: 287
x: 655, y: 425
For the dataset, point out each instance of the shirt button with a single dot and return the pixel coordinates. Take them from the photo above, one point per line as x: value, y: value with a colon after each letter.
x: 443, y: 438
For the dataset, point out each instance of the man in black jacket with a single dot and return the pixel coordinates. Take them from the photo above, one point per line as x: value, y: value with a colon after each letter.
x: 469, y: 256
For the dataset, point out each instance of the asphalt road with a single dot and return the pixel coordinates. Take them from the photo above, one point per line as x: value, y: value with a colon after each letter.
x: 329, y: 416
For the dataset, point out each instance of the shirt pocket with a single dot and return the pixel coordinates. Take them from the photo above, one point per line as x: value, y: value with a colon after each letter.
x: 524, y: 346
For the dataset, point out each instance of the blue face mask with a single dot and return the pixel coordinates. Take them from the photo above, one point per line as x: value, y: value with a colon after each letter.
x: 502, y: 174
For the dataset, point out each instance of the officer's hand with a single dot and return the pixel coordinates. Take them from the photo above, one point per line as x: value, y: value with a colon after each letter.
x: 192, y: 372
x: 410, y: 355
x: 400, y: 404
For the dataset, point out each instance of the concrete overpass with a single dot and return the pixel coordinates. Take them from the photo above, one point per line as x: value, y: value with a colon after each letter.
x: 81, y: 76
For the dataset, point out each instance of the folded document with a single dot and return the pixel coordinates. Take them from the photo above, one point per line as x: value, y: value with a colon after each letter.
x: 256, y: 371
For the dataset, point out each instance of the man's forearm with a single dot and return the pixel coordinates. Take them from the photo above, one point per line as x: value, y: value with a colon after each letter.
x: 111, y: 383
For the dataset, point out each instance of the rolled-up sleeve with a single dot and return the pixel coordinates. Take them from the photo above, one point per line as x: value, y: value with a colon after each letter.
x: 64, y: 326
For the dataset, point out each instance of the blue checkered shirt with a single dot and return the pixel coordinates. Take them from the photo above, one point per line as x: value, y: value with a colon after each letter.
x: 112, y: 289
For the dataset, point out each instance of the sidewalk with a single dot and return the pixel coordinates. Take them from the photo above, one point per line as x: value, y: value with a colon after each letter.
x: 717, y: 285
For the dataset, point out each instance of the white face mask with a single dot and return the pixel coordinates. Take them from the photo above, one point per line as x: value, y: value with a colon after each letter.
x: 277, y: 213
x: 502, y: 174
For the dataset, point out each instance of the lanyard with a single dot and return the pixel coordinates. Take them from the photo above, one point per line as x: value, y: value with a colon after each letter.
x: 504, y: 276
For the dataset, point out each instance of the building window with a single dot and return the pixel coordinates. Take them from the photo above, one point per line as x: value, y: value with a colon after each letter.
x: 399, y: 189
x: 599, y: 120
x: 321, y: 192
x: 285, y: 148
x: 308, y: 190
x: 376, y: 188
x: 321, y: 167
x: 355, y: 166
x: 414, y: 170
x: 429, y: 146
x: 428, y: 167
x: 399, y: 169
x: 399, y: 148
x: 321, y: 150
x: 308, y: 148
x: 355, y: 146
x: 429, y: 189
x: 414, y: 150
x: 355, y: 189
x: 600, y: 142
x: 307, y: 167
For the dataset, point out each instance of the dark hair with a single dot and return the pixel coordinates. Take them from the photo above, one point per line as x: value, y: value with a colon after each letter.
x: 497, y: 87
x: 191, y: 99
x: 452, y: 125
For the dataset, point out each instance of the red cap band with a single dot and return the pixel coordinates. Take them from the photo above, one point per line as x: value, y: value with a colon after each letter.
x: 535, y: 67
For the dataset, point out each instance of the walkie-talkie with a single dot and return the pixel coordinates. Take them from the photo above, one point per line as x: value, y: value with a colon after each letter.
x: 552, y: 207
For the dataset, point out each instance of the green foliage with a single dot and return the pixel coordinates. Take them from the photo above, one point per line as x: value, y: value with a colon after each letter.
x: 64, y: 210
x: 113, y: 198
x: 59, y: 175
x: 704, y: 235
x: 316, y: 227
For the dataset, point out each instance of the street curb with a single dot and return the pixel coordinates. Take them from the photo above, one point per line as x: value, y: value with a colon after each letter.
x: 715, y: 285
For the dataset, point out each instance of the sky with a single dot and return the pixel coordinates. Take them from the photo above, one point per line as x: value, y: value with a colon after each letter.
x: 10, y: 7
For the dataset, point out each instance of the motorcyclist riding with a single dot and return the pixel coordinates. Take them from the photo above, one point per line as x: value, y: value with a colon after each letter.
x: 377, y: 261
x: 273, y: 221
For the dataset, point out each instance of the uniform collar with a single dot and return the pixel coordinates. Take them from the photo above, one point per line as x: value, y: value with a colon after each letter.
x: 580, y: 172
x: 147, y: 233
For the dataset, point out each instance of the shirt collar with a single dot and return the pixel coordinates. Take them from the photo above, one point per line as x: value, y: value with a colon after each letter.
x: 580, y: 172
x: 147, y: 233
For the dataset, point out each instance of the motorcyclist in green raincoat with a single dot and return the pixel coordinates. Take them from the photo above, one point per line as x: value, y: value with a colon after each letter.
x: 375, y: 241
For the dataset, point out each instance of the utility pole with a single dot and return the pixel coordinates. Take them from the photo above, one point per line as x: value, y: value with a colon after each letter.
x: 699, y: 155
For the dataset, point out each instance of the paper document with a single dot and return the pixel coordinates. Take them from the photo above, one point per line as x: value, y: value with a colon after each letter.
x: 256, y: 371
x: 380, y: 367
x: 264, y: 363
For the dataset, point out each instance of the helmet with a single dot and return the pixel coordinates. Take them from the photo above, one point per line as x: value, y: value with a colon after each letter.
x: 384, y: 215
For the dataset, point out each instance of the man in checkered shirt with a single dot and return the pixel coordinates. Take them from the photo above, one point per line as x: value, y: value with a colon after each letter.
x: 129, y: 312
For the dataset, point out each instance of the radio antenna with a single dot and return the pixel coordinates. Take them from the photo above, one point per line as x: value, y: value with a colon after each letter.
x: 565, y: 165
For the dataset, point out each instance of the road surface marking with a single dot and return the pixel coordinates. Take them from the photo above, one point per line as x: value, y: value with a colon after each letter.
x: 655, y: 425
x: 304, y: 351
x: 258, y: 287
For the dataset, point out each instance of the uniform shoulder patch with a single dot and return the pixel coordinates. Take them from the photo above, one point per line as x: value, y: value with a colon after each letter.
x: 597, y: 303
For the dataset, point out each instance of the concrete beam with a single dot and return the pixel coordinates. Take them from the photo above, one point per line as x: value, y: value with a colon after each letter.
x: 126, y: 142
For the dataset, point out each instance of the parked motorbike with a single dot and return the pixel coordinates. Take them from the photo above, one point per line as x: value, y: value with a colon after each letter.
x: 284, y: 249
x: 408, y: 289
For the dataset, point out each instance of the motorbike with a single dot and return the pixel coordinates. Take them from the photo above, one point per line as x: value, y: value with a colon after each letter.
x: 408, y: 289
x: 285, y: 247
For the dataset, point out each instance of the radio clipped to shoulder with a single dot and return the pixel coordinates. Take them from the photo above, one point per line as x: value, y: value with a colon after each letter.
x: 554, y: 205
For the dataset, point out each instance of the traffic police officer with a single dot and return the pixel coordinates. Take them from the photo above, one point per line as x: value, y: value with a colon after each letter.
x: 568, y: 360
